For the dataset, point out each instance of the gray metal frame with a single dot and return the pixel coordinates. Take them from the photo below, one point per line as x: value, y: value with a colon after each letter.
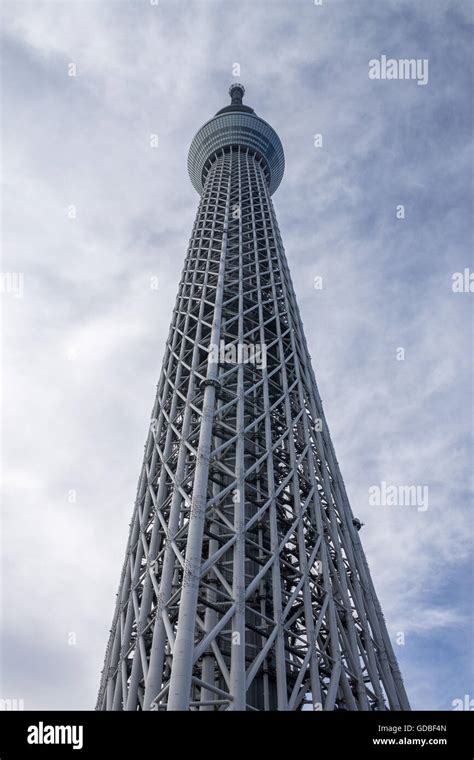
x: 245, y: 586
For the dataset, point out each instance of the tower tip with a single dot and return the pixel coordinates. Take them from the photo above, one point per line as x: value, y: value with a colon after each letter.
x: 236, y: 92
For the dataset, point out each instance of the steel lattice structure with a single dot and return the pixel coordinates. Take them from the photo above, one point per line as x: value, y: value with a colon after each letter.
x: 245, y: 586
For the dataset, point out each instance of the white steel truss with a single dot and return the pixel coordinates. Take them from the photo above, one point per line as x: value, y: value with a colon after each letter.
x: 245, y: 586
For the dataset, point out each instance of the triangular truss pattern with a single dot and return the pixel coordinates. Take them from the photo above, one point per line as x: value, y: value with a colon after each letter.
x: 244, y: 586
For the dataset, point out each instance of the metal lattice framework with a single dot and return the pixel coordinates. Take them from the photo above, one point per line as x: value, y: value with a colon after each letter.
x: 245, y: 586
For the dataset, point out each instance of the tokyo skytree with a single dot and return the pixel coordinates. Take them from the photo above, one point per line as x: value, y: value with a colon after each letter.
x: 244, y: 585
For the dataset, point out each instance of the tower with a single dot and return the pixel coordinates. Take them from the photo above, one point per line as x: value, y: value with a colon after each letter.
x: 244, y: 586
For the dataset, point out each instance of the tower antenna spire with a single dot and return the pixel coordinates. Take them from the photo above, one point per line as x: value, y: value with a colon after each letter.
x: 236, y: 92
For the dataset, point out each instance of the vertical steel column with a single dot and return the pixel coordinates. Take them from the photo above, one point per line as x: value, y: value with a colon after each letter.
x: 237, y: 667
x: 181, y: 673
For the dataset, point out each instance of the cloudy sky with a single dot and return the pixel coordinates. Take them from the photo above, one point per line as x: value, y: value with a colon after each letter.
x: 92, y: 212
